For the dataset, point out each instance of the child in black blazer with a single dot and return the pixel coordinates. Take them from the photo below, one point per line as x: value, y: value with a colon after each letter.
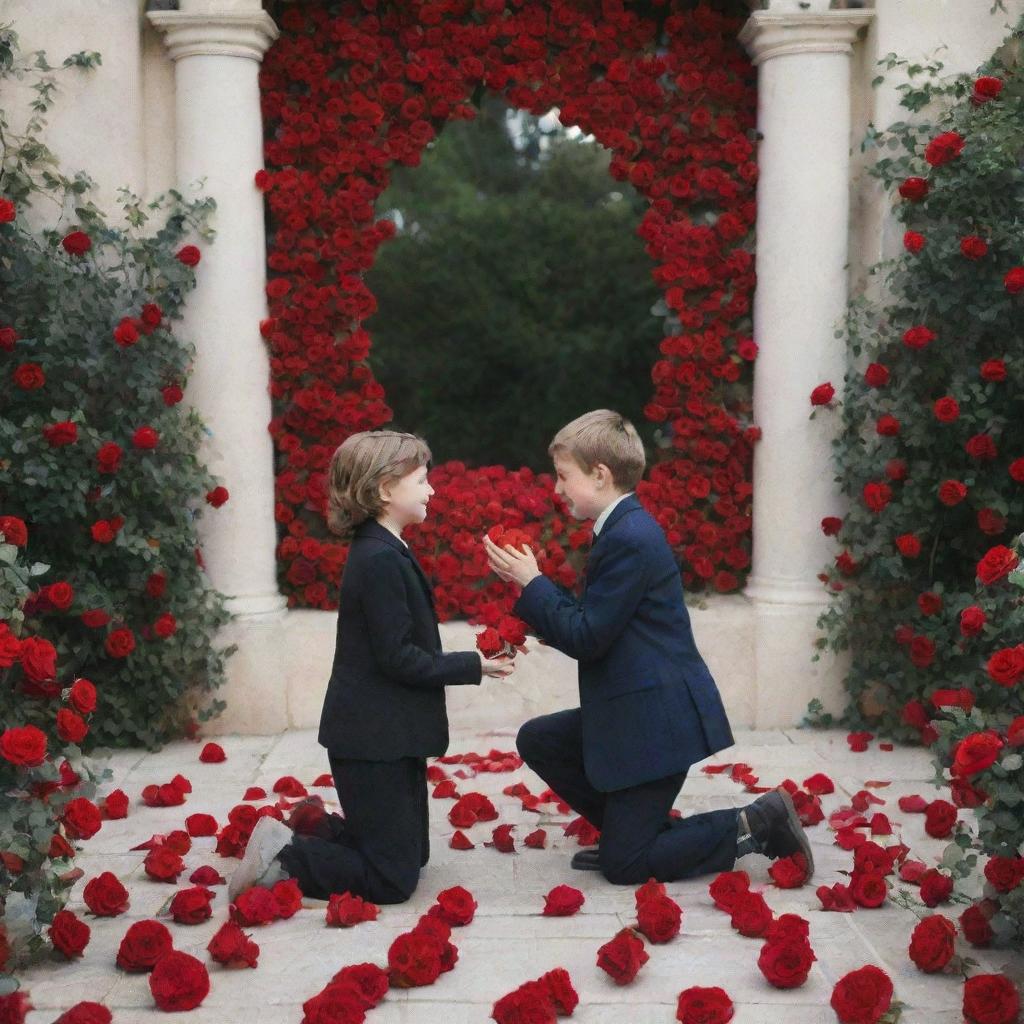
x: 384, y: 712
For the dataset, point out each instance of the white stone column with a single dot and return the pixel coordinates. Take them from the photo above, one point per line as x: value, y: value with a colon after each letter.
x: 217, y: 46
x: 803, y: 196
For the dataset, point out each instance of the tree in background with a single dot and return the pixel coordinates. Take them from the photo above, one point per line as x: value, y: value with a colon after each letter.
x: 515, y: 295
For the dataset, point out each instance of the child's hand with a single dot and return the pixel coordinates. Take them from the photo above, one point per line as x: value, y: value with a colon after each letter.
x: 494, y: 668
x: 510, y: 565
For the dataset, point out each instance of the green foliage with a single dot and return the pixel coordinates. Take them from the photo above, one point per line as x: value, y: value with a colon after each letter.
x: 975, y: 319
x: 516, y: 294
x: 64, y: 309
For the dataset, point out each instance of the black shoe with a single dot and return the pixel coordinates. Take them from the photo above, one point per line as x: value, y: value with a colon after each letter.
x: 774, y: 825
x: 586, y: 860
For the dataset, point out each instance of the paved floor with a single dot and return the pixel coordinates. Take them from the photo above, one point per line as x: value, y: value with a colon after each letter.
x: 509, y: 942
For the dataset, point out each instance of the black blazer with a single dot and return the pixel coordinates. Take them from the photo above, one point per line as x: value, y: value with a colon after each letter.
x: 385, y: 698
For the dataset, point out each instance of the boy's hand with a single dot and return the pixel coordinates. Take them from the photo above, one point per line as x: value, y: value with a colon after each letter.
x: 510, y: 565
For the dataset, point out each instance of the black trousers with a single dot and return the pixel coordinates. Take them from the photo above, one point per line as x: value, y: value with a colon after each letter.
x: 639, y: 840
x: 377, y: 849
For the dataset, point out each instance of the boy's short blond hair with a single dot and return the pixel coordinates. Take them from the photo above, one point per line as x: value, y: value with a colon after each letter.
x: 603, y: 436
x: 359, y: 465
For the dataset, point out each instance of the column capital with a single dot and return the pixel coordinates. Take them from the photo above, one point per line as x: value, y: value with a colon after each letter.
x: 228, y: 34
x: 769, y: 34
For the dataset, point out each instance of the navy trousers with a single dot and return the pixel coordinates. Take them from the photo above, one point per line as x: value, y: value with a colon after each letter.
x: 377, y: 849
x: 639, y: 840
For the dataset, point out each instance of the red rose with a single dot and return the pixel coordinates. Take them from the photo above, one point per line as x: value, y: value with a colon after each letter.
x: 68, y: 934
x: 974, y: 923
x: 206, y: 876
x: 1004, y: 873
x: 972, y: 621
x: 862, y: 996
x: 868, y: 888
x: 8, y: 211
x: 145, y: 437
x: 77, y: 243
x: 232, y: 947
x: 973, y: 247
x: 876, y: 375
x: 659, y: 918
x: 887, y: 426
x: 914, y: 189
x: 751, y: 915
x: 1013, y: 282
x: 952, y: 492
x: 143, y: 945
x: 563, y: 901
x: 81, y: 818
x: 699, y: 1005
x: 831, y: 525
x: 918, y: 337
x: 59, y: 434
x: 976, y: 752
x: 993, y: 370
x: 126, y: 333
x: 14, y: 530
x: 172, y: 394
x: 622, y: 957
x: 1015, y: 732
x: 14, y: 1007
x: 345, y: 910
x: 414, y: 959
x: 786, y: 964
x: 944, y: 148
x: 946, y: 409
x: 29, y: 377
x: 71, y: 727
x: 165, y: 625
x: 192, y: 906
x: 105, y: 896
x: 877, y: 496
x: 342, y: 1003
x: 455, y: 906
x: 24, y: 746
x: 929, y: 603
x: 8, y: 338
x: 189, y: 255
x: 986, y: 88
x: 981, y: 447
x: 936, y: 887
x: 998, y: 562
x: 789, y: 872
x: 255, y: 906
x: 939, y: 819
x: 179, y: 982
x: 922, y: 651
x: 932, y: 943
x: 108, y: 458
x: 909, y: 545
x: 1006, y: 666
x: 217, y: 496
x: 38, y: 659
x: 120, y: 642
x: 823, y: 394
x: 913, y: 241
x: 896, y: 469
x: 84, y: 1013
x: 115, y: 805
x: 163, y: 865
x: 152, y: 314
x: 727, y: 887
x: 991, y: 999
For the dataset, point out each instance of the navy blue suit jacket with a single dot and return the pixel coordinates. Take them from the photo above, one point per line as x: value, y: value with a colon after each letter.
x: 649, y: 705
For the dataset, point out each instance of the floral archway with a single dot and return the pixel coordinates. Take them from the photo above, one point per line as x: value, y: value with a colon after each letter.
x: 352, y: 88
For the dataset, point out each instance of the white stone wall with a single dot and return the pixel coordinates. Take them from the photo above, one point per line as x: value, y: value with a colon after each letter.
x: 139, y: 121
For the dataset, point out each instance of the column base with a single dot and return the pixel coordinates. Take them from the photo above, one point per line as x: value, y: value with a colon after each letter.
x: 786, y: 678
x: 256, y: 685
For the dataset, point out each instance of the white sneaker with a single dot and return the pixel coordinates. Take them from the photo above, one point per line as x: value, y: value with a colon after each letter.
x: 266, y: 841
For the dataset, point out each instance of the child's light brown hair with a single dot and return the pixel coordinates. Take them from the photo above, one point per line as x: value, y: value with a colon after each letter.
x: 603, y: 436
x: 359, y: 465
